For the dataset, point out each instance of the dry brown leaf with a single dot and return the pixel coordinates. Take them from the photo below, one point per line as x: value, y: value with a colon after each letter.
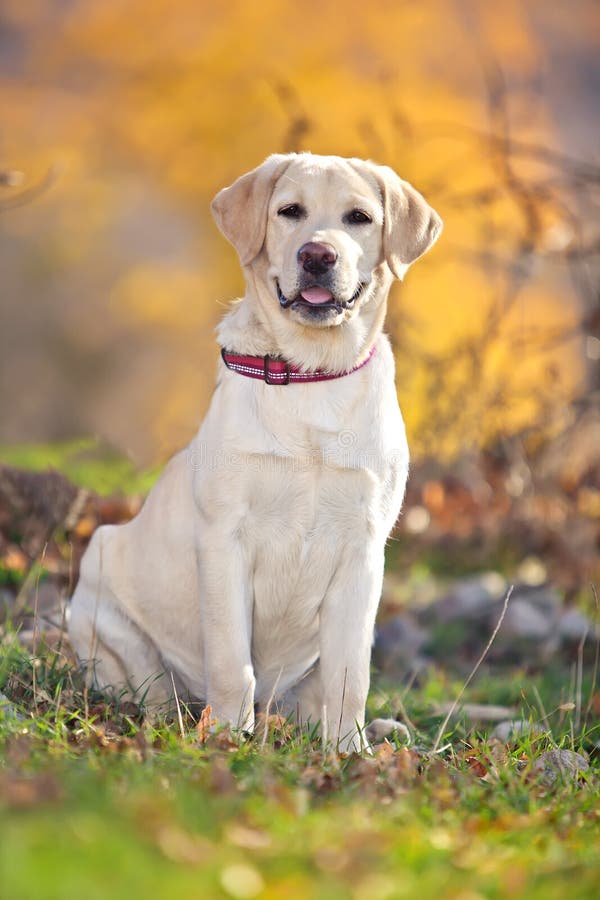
x: 205, y: 724
x: 248, y: 838
x: 407, y: 761
x: 476, y: 766
x: 85, y: 527
x: 220, y: 776
x: 25, y: 792
x: 181, y: 847
x: 15, y: 560
x: 364, y: 769
x: 224, y: 740
x: 319, y: 780
x: 277, y: 728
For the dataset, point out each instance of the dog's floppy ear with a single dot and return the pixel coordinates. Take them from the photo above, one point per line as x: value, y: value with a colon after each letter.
x: 410, y: 225
x: 240, y: 210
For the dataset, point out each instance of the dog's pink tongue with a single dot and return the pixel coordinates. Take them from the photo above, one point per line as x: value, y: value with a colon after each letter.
x: 316, y: 295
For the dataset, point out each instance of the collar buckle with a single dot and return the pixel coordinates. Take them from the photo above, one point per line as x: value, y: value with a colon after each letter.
x: 266, y: 361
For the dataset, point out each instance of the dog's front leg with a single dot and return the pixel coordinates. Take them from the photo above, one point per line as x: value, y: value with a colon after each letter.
x: 346, y: 635
x: 226, y: 608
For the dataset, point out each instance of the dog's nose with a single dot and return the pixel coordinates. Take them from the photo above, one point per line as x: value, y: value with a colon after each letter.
x: 316, y: 258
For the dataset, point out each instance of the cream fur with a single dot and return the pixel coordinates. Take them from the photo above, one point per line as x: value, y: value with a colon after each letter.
x: 253, y: 572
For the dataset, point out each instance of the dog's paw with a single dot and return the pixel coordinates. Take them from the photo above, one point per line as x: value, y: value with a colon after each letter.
x: 380, y: 729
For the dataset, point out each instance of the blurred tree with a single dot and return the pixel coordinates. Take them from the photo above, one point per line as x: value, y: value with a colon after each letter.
x: 116, y: 276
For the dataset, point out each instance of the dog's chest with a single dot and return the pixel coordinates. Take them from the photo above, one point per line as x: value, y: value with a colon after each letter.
x: 307, y: 486
x: 300, y: 528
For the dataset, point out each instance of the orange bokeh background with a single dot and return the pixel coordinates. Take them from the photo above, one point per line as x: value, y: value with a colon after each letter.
x: 136, y: 113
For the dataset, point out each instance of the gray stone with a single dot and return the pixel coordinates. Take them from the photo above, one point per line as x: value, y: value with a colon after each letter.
x: 26, y: 638
x: 512, y: 729
x: 36, y: 639
x: 8, y: 708
x: 470, y: 598
x: 7, y: 602
x: 524, y: 622
x: 474, y: 712
x: 543, y: 597
x: 574, y: 626
x: 380, y: 729
x: 398, y: 643
x: 527, y: 634
x: 563, y: 765
x: 47, y: 600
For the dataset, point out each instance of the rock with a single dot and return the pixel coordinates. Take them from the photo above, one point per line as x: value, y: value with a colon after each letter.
x: 512, y: 729
x: 527, y: 634
x: 475, y: 712
x: 470, y: 598
x: 25, y: 636
x: 543, y: 597
x: 574, y: 626
x: 559, y: 765
x: 47, y: 600
x: 7, y: 602
x: 8, y: 709
x: 34, y: 503
x: 398, y: 643
x: 524, y: 622
x: 380, y: 729
x: 34, y: 640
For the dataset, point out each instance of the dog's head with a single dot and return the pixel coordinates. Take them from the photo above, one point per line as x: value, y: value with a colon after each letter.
x: 325, y: 224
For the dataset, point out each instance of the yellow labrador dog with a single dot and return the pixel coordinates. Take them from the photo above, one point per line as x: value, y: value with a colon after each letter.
x: 252, y: 575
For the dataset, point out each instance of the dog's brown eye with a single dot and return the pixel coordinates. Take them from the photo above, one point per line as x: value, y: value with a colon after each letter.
x: 293, y: 211
x: 358, y: 217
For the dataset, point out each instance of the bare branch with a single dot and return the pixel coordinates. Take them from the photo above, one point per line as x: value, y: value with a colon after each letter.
x: 28, y: 195
x: 474, y: 670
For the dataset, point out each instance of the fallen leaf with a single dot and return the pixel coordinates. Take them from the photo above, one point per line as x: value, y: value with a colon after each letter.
x: 85, y: 527
x: 25, y: 792
x: 205, y: 724
x: 241, y: 881
x: 476, y: 766
x: 181, y: 847
x: 220, y: 776
x: 248, y: 838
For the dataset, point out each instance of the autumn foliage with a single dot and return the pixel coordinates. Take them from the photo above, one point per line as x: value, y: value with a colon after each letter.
x: 128, y: 117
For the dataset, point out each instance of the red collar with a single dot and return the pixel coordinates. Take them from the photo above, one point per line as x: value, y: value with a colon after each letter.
x: 273, y: 370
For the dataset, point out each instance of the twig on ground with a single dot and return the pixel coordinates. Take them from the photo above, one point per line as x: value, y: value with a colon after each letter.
x: 579, y: 688
x: 337, y: 743
x: 590, y: 702
x: 324, y: 734
x: 94, y: 635
x: 268, y: 709
x: 486, y: 650
x: 545, y: 717
x: 405, y: 717
x: 35, y: 624
x: 179, y: 716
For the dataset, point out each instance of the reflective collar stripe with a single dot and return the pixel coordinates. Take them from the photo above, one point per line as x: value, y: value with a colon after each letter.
x: 273, y: 370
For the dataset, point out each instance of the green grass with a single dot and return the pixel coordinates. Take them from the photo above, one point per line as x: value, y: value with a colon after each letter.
x: 85, y: 461
x: 101, y: 804
x: 96, y: 802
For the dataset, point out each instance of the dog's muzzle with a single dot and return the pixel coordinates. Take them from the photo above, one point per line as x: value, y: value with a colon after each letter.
x: 333, y: 303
